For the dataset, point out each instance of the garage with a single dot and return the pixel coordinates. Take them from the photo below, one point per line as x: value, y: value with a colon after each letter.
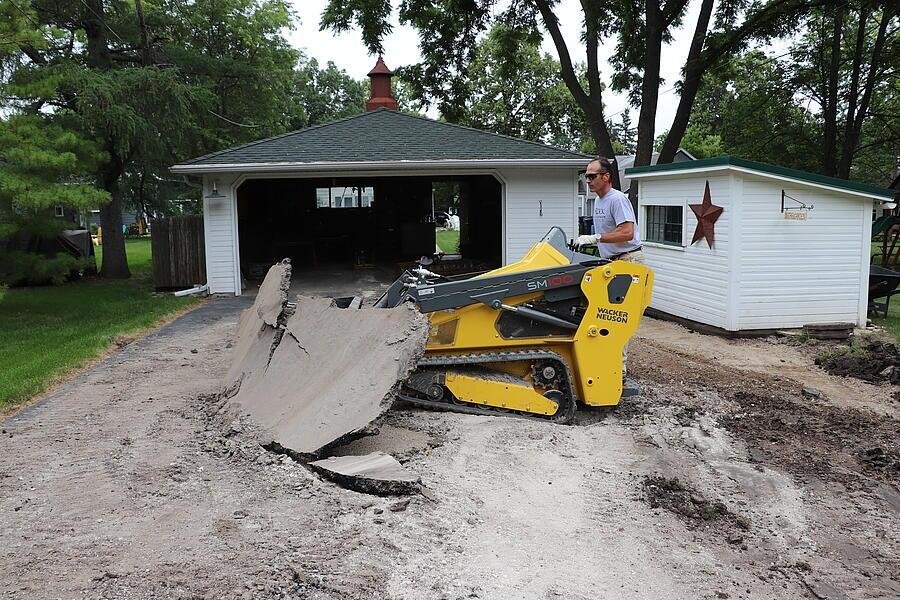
x: 366, y: 196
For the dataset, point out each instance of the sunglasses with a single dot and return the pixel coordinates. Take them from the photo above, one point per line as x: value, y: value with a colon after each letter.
x: 593, y: 176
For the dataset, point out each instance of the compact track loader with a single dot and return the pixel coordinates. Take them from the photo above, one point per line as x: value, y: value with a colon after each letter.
x: 532, y: 338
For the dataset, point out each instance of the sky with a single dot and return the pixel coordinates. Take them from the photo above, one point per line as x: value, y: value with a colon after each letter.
x: 348, y: 52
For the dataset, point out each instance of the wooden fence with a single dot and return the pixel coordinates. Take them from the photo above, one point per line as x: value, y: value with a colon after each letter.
x: 179, y: 257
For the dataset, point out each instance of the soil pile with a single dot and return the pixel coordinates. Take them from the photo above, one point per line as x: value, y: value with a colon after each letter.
x: 671, y: 494
x: 875, y: 361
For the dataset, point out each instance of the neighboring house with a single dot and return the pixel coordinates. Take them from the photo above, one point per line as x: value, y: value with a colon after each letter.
x: 790, y: 248
x: 362, y: 186
x: 92, y: 217
x: 623, y: 162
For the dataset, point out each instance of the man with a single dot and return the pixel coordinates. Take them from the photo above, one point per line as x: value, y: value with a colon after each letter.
x: 615, y: 233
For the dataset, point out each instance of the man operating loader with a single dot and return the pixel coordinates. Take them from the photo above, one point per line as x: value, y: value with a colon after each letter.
x: 615, y: 233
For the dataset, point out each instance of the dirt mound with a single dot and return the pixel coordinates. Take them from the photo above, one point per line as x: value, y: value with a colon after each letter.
x: 814, y: 439
x: 674, y: 496
x: 874, y: 361
x: 885, y: 460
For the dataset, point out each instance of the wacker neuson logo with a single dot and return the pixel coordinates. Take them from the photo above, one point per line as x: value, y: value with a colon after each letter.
x: 617, y: 316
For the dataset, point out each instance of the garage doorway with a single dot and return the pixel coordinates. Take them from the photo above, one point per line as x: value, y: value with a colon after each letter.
x: 347, y: 228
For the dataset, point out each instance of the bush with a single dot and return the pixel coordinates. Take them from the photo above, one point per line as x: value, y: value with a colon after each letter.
x: 26, y: 268
x: 94, y: 228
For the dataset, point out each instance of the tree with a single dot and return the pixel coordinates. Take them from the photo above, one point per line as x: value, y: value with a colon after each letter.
x: 449, y: 29
x: 151, y: 83
x: 797, y: 108
x: 759, y: 117
x: 624, y: 135
x: 449, y: 32
x: 45, y: 165
x: 516, y: 90
x: 324, y: 95
x: 846, y: 64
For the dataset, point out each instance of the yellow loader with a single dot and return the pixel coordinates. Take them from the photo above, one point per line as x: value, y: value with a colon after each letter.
x: 532, y: 338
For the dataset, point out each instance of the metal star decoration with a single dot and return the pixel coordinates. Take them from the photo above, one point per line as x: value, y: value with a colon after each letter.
x: 707, y: 213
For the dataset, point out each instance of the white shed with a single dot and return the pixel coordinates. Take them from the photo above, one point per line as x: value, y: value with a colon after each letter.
x: 788, y: 248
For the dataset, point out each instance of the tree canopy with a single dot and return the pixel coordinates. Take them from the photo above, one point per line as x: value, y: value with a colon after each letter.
x: 149, y: 85
x: 449, y: 31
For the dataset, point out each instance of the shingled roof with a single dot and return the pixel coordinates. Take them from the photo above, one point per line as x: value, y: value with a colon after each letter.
x: 381, y: 137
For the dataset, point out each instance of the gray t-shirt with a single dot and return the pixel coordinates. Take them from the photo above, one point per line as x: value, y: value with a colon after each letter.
x: 610, y: 211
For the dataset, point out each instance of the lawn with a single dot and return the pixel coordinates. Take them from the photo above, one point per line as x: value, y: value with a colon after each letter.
x: 448, y: 241
x: 891, y: 324
x: 47, y: 332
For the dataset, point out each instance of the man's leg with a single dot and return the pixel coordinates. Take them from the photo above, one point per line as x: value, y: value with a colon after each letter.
x: 634, y: 257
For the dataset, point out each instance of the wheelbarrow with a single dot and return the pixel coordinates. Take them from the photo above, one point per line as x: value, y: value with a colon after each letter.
x: 882, y: 285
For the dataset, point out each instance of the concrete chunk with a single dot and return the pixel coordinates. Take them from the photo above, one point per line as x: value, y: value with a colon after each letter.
x: 332, y: 372
x: 258, y: 327
x: 375, y: 473
x: 273, y: 293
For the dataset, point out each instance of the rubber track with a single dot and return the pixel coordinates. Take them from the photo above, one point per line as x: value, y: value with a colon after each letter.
x: 564, y: 415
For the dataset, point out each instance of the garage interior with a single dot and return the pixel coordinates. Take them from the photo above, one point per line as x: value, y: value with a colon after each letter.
x: 383, y: 224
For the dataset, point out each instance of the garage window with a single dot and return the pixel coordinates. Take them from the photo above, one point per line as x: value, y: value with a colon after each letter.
x: 344, y: 197
x: 664, y: 224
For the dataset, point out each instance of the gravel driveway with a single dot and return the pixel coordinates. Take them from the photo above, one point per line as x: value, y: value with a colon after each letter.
x: 723, y: 480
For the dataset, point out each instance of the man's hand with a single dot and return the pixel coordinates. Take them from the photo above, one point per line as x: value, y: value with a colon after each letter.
x: 586, y: 240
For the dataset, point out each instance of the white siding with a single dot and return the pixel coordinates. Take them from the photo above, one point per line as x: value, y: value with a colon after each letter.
x: 219, y: 227
x: 795, y: 273
x: 536, y: 200
x: 691, y: 281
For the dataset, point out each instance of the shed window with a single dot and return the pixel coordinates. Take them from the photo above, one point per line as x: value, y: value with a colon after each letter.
x: 59, y: 211
x: 664, y: 224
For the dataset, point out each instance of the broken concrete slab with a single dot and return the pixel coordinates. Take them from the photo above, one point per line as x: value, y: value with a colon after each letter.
x: 331, y: 373
x: 273, y: 293
x: 258, y: 328
x: 375, y: 473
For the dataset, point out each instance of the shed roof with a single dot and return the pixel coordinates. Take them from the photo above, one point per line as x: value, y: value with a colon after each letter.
x: 383, y: 138
x: 766, y: 170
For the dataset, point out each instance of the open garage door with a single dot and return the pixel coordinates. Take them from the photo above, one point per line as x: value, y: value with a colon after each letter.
x: 383, y: 223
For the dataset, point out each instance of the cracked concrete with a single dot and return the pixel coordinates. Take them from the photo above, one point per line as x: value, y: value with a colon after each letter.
x: 321, y: 374
x: 375, y: 473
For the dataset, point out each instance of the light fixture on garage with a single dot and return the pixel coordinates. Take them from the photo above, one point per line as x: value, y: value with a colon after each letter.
x: 215, y: 190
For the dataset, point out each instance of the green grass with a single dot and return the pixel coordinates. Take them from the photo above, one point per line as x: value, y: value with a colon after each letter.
x: 448, y: 241
x: 891, y: 323
x: 46, y: 332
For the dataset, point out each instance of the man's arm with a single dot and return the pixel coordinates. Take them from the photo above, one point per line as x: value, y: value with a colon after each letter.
x: 623, y: 233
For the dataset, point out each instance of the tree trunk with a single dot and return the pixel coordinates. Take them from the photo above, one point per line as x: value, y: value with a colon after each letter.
x: 145, y: 46
x: 115, y: 262
x: 851, y: 137
x: 693, y: 74
x: 591, y: 105
x: 829, y: 111
x: 646, y: 127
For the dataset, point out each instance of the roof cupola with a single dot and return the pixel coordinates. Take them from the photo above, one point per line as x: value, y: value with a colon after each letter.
x: 381, y: 96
